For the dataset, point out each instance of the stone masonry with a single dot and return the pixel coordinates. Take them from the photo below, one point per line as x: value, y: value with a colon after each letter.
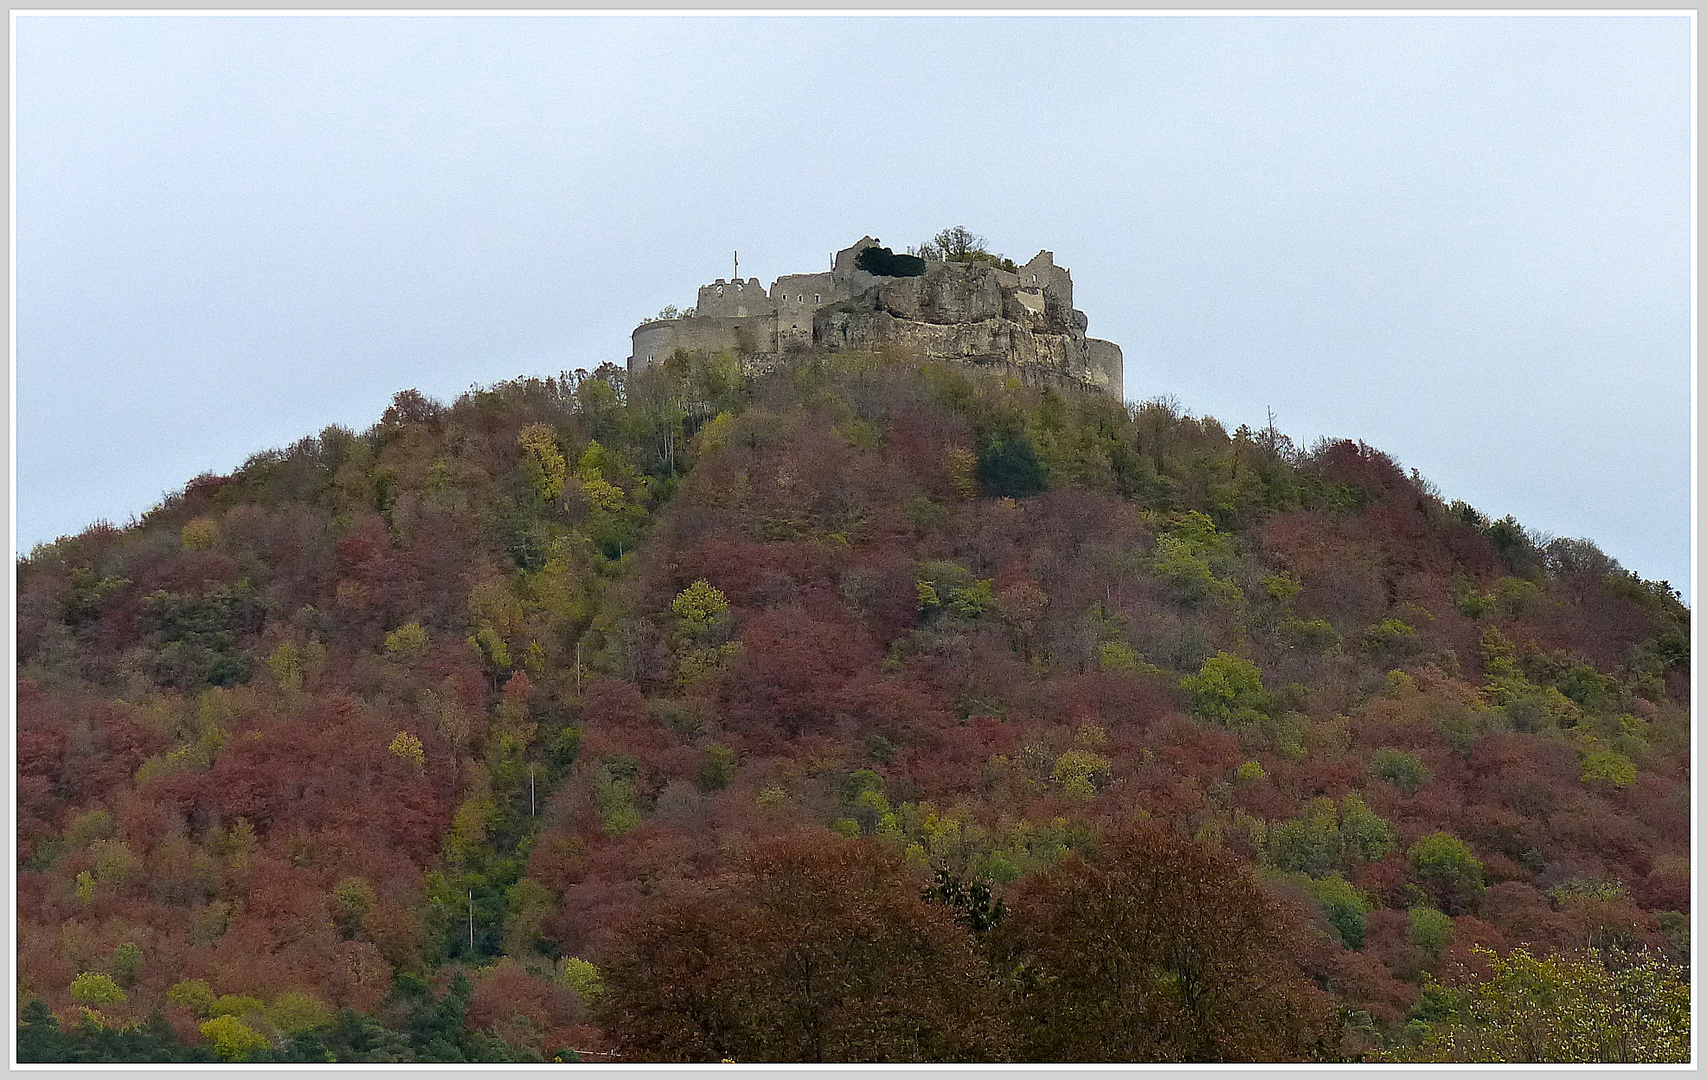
x: 1020, y: 321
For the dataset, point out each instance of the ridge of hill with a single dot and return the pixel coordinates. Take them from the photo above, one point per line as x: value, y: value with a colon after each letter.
x: 536, y: 725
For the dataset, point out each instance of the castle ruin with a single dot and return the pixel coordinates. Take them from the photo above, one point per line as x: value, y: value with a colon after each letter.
x: 1020, y: 320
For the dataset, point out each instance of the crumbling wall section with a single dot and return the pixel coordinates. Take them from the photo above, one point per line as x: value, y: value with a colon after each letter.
x: 1042, y: 273
x: 734, y: 299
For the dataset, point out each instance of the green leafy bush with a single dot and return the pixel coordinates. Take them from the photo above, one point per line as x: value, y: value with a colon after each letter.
x: 1309, y: 844
x: 127, y: 963
x: 1559, y: 1009
x: 1327, y: 837
x: 1075, y: 771
x: 1431, y: 930
x: 1445, y: 865
x: 1390, y: 634
x: 698, y: 608
x: 1366, y: 834
x: 1188, y: 555
x: 194, y: 995
x: 1117, y: 656
x: 296, y: 1013
x: 95, y: 988
x: 946, y: 589
x: 1227, y: 688
x: 1310, y: 635
x: 615, y: 793
x: 718, y: 769
x: 1343, y: 903
x: 582, y: 977
x: 406, y: 644
x: 1404, y: 771
x: 232, y: 1039
x: 1609, y: 768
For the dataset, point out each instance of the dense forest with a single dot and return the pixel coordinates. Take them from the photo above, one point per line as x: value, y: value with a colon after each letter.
x: 860, y: 710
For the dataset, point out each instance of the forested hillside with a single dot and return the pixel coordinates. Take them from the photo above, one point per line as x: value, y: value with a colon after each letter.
x: 863, y: 710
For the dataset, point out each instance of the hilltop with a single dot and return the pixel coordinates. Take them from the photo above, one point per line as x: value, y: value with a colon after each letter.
x: 573, y: 717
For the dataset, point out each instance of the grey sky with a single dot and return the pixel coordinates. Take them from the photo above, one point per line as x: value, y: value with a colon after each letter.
x: 1462, y: 240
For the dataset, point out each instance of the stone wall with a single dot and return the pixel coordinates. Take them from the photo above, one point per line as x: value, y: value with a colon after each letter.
x: 796, y: 297
x: 1106, y: 366
x: 655, y: 341
x: 734, y: 299
x: 809, y: 291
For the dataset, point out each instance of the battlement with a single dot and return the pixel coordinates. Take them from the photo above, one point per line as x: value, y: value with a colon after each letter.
x: 735, y: 299
x: 1021, y: 319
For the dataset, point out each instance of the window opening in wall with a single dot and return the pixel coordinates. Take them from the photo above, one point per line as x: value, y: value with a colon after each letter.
x: 815, y: 298
x: 720, y: 289
x: 1034, y: 279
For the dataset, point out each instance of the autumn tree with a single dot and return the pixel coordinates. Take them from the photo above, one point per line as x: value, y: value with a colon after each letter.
x: 815, y: 949
x: 1157, y: 948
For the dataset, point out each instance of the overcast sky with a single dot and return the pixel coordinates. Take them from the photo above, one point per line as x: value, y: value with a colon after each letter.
x: 1462, y: 240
